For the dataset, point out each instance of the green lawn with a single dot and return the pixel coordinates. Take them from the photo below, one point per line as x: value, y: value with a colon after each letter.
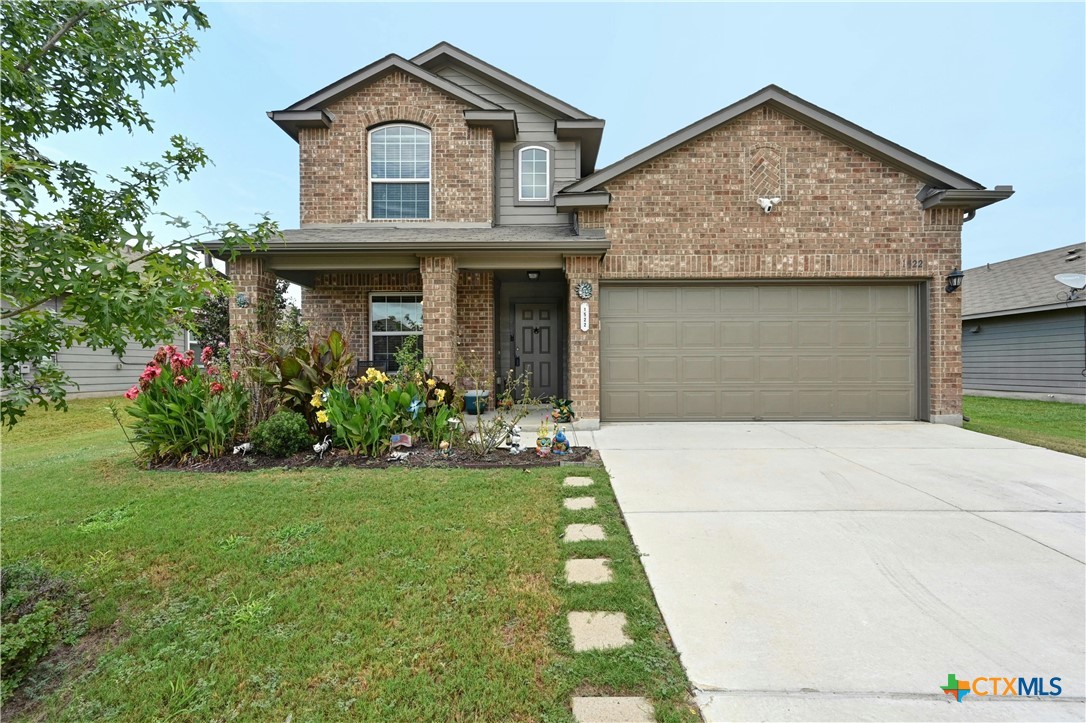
x: 326, y: 595
x: 1054, y: 425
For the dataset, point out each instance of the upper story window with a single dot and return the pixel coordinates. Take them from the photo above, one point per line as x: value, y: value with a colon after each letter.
x: 534, y: 173
x: 399, y: 172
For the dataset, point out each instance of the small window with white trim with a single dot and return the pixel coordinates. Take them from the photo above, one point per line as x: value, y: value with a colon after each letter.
x: 399, y: 172
x: 393, y: 318
x: 534, y: 172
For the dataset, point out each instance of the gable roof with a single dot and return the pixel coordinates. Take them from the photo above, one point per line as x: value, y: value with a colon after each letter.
x: 309, y: 111
x: 808, y: 113
x: 1021, y: 285
x: 444, y: 52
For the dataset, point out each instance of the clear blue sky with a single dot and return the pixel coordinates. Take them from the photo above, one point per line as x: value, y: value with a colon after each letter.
x: 994, y: 91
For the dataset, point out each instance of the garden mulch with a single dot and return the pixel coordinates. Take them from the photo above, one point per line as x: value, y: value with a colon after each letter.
x: 422, y: 457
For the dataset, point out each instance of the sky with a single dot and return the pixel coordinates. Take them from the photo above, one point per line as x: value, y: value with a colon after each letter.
x: 994, y: 91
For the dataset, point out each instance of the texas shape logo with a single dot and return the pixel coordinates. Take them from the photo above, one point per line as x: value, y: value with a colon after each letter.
x: 957, y: 688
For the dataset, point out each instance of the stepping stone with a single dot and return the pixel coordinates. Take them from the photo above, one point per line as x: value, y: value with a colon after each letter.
x: 612, y: 710
x: 578, y: 482
x: 598, y: 631
x: 579, y: 503
x: 581, y: 533
x: 591, y: 572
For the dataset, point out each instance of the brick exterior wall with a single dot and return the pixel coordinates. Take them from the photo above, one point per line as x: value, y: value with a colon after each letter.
x: 439, y: 315
x: 691, y: 214
x: 334, y: 170
x: 341, y: 301
x: 250, y: 276
x: 584, y: 346
x: 475, y: 319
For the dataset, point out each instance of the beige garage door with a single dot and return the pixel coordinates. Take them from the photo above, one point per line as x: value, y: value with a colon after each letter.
x: 772, y: 352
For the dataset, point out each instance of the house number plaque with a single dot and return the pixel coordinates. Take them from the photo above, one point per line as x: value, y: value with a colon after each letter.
x: 584, y: 316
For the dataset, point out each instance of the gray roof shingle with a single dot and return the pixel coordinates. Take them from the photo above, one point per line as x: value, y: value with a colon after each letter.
x: 1020, y: 284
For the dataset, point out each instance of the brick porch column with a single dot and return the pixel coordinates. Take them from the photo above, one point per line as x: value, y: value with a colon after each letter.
x: 439, y: 313
x: 254, y: 288
x: 584, y: 346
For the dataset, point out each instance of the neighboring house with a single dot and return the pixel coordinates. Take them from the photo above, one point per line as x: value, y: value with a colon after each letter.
x: 100, y: 372
x: 1022, y: 336
x: 444, y: 198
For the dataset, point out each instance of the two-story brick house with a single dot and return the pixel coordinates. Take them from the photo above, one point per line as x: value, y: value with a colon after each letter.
x: 444, y: 198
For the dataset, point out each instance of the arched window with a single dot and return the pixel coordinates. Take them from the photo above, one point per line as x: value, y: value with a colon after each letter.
x: 399, y: 172
x: 534, y: 173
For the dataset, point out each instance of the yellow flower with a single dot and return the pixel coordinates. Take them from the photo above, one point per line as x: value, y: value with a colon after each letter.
x: 440, y: 394
x: 431, y: 383
x: 316, y: 400
x: 322, y: 417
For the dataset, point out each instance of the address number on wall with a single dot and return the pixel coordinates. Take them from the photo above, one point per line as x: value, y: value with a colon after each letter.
x: 584, y: 317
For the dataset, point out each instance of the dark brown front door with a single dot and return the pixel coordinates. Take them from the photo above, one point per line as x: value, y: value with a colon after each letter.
x: 536, y: 335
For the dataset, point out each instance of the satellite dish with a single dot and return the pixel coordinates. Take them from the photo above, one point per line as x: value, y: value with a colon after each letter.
x: 1075, y: 281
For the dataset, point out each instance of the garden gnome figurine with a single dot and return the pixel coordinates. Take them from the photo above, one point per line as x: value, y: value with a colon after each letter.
x: 543, y: 440
x: 561, y: 444
x: 514, y: 440
x: 444, y: 448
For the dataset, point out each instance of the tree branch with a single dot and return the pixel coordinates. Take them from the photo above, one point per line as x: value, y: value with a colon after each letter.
x: 64, y: 29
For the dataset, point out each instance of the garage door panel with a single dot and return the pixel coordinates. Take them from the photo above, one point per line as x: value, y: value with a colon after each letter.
x: 775, y: 334
x: 740, y: 352
x: 659, y: 370
x: 698, y: 335
x: 660, y: 334
x: 698, y: 370
x: 620, y: 335
x: 737, y: 369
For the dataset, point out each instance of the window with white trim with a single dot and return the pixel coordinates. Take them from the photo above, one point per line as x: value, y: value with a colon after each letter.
x: 393, y: 318
x: 535, y: 174
x: 399, y: 172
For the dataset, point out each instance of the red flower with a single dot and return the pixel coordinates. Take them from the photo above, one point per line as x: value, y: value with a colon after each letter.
x: 212, y: 370
x: 234, y: 376
x: 216, y: 388
x: 150, y: 372
x: 179, y: 380
x: 132, y: 393
x: 206, y: 354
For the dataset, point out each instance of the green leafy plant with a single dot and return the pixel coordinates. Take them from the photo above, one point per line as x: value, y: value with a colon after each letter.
x: 364, y: 417
x: 183, y: 411
x: 295, y: 375
x: 281, y: 435
x: 38, y: 610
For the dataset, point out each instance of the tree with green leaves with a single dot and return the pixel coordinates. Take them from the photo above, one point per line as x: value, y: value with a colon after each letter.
x: 290, y: 329
x: 74, y: 238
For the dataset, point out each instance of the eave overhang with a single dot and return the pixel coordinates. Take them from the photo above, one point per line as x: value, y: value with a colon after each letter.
x: 504, y: 122
x: 291, y: 120
x: 589, y: 131
x: 591, y: 199
x: 1025, y: 310
x: 967, y: 199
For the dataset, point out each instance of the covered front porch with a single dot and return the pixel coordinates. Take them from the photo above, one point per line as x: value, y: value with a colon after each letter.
x: 495, y: 299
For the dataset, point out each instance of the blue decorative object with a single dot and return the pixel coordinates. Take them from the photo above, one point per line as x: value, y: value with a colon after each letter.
x: 415, y: 407
x: 560, y: 444
x: 475, y: 401
x: 241, y: 300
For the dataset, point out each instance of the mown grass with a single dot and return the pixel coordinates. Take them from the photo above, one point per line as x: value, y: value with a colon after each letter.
x: 320, y: 594
x: 1055, y: 425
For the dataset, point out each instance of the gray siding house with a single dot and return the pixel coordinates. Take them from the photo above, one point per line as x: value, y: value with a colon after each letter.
x: 1022, y: 336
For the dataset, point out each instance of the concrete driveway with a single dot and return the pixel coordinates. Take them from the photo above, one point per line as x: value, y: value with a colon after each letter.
x: 842, y: 571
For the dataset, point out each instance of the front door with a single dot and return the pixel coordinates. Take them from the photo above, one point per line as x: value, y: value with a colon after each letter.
x: 536, y: 346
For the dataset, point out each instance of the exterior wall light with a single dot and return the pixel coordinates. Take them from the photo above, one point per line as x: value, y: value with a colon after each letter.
x: 954, y: 280
x: 533, y: 275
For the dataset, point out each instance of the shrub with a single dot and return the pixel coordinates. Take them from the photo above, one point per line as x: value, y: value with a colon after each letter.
x: 37, y: 611
x: 297, y: 374
x: 183, y: 411
x: 283, y: 434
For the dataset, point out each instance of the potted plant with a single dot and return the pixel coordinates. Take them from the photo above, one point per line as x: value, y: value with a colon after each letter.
x: 562, y: 410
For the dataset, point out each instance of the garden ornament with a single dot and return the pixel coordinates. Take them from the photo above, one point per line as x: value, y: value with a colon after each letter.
x: 560, y: 444
x: 244, y: 448
x: 445, y: 448
x: 322, y: 446
x: 414, y: 408
x: 401, y: 440
x: 398, y: 456
x: 543, y: 439
x: 514, y: 440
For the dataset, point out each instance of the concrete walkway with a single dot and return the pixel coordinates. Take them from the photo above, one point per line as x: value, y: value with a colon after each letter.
x: 842, y: 571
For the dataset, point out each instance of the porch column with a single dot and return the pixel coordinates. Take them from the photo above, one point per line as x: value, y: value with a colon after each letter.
x: 584, y: 346
x: 252, y: 302
x: 439, y: 313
